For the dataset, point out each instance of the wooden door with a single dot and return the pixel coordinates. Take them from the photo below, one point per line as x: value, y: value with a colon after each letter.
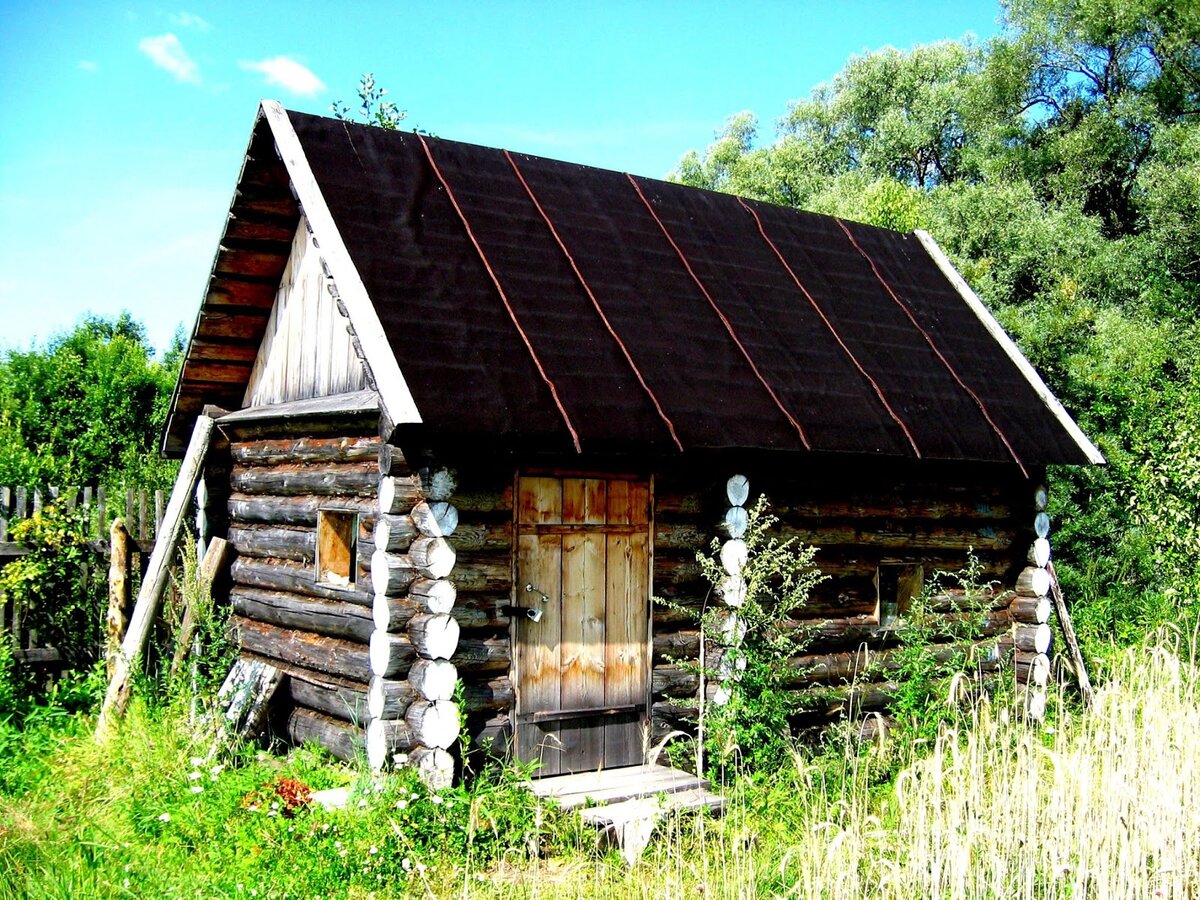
x: 583, y: 670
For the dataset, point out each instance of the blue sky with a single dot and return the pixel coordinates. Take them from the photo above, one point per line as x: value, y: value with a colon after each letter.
x: 123, y: 125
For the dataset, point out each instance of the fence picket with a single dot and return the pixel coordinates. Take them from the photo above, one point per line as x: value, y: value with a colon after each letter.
x: 20, y: 502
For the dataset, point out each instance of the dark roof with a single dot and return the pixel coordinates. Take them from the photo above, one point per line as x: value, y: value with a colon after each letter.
x: 535, y: 300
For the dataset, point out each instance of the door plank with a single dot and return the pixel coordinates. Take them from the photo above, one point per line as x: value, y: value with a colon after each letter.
x: 582, y: 647
x: 626, y: 623
x: 585, y: 501
x: 539, y: 500
x: 539, y: 562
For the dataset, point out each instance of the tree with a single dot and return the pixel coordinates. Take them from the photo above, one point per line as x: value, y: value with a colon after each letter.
x: 1059, y: 166
x: 86, y: 409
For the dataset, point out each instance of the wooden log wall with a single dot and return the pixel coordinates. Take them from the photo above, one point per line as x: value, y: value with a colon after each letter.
x: 264, y: 491
x: 859, y: 518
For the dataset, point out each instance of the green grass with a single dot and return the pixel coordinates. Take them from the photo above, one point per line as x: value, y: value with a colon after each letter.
x: 1096, y: 805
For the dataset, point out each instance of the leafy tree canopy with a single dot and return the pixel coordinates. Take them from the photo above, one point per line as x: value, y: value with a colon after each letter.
x: 87, y: 408
x: 1059, y: 166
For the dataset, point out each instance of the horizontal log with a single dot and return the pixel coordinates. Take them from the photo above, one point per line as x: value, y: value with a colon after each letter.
x: 268, y: 542
x: 307, y: 450
x: 348, y: 704
x: 386, y: 737
x: 834, y: 633
x: 1033, y: 582
x: 338, y: 697
x: 391, y: 460
x: 439, y: 483
x: 1032, y: 638
x: 433, y: 724
x: 248, y: 509
x: 488, y: 537
x: 298, y: 426
x: 433, y: 556
x: 481, y: 612
x: 433, y: 679
x: 389, y: 698
x: 481, y: 655
x: 1031, y: 668
x: 278, y: 576
x: 333, y: 656
x: 499, y: 500
x: 434, y: 766
x: 435, y: 518
x: 349, y: 479
x: 350, y: 621
x: 398, y: 494
x: 391, y: 573
x: 393, y: 613
x: 390, y: 655
x: 674, y: 681
x: 671, y: 645
x: 957, y: 600
x: 436, y: 595
x: 487, y: 696
x: 433, y: 637
x: 343, y: 740
x: 1030, y: 610
x: 394, y: 533
x: 477, y: 574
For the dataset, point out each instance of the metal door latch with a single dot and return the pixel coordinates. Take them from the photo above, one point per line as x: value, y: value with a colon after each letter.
x: 532, y: 613
x: 530, y: 589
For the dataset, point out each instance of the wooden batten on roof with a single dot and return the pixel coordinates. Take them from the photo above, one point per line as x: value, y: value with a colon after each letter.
x: 584, y: 312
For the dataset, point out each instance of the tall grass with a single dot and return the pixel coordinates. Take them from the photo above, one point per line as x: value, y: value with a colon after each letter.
x: 1102, y: 804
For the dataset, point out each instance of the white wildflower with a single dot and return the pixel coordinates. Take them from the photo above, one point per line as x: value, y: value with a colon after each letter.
x: 400, y: 804
x: 165, y: 817
x: 196, y: 789
x: 196, y: 761
x: 194, y: 776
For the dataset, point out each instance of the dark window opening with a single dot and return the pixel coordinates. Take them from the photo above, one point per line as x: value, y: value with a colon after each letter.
x: 337, y: 546
x: 897, y: 584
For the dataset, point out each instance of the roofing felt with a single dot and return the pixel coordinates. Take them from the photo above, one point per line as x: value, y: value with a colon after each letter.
x: 580, y: 309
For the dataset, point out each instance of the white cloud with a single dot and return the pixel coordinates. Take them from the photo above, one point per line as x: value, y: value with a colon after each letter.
x: 288, y: 74
x: 167, y: 53
x: 190, y: 20
x: 88, y: 66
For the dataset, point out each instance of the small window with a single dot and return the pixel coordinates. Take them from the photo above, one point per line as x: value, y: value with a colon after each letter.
x: 896, y: 584
x: 337, y: 546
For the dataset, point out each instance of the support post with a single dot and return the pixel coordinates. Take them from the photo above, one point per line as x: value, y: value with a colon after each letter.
x: 118, y: 593
x: 157, y: 575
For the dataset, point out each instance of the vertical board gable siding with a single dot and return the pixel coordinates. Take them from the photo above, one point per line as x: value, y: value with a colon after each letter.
x: 306, y: 351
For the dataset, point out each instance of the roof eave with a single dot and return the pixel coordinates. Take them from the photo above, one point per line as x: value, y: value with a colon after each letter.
x: 1001, y: 337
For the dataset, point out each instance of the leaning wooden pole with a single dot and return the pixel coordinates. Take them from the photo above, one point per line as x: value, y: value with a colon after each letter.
x: 1068, y: 627
x: 157, y: 574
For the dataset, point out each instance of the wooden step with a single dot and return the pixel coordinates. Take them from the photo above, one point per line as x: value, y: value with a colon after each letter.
x: 631, y: 823
x: 615, y: 815
x: 612, y: 786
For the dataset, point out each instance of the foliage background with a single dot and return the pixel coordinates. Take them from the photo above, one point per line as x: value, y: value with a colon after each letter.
x: 1059, y: 167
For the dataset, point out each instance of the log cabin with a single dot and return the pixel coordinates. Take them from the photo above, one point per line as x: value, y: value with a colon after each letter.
x: 481, y: 409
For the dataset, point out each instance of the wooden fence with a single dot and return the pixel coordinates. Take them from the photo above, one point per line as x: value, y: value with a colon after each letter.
x: 142, y: 511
